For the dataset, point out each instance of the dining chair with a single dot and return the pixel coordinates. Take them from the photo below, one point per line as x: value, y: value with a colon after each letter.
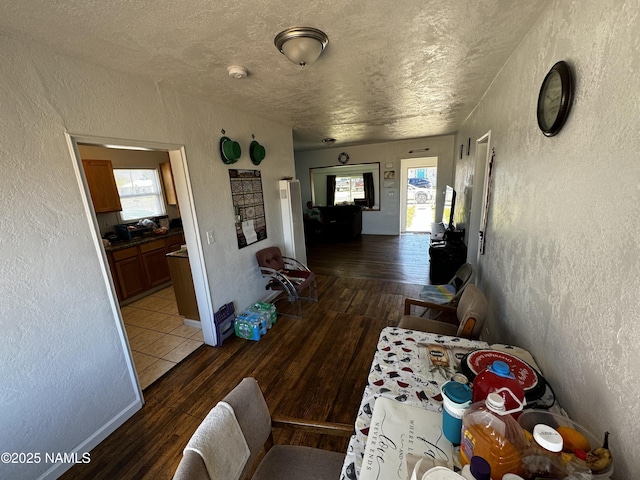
x: 218, y: 461
x: 466, y: 320
x: 449, y: 293
x: 290, y: 276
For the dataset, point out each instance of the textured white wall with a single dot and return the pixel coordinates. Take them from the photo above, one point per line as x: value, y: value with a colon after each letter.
x: 387, y: 220
x: 63, y: 373
x: 563, y: 244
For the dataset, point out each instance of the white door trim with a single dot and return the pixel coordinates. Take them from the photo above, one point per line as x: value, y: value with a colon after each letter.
x: 484, y: 203
x: 405, y: 165
x: 190, y: 226
x: 72, y: 142
x: 177, y: 156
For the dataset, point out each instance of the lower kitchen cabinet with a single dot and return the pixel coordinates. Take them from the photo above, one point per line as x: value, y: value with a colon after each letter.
x: 140, y: 268
x: 174, y: 243
x: 183, y: 286
x: 155, y: 263
x: 130, y: 274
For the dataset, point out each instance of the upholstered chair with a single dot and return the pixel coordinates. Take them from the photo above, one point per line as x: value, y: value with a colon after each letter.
x: 466, y: 320
x: 281, y: 462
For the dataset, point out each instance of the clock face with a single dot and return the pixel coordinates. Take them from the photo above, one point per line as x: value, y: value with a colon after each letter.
x: 554, y: 100
x: 552, y: 94
x: 343, y: 158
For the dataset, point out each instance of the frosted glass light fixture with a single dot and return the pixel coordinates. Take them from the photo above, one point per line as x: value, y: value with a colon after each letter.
x: 301, y: 45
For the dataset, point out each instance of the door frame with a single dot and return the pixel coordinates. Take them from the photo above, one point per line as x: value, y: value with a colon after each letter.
x: 479, y: 202
x: 405, y: 165
x: 178, y: 159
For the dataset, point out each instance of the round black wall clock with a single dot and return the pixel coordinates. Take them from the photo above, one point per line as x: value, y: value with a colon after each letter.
x: 554, y: 100
x: 343, y: 158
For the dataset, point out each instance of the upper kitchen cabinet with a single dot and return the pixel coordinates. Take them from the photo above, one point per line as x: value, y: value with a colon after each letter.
x: 169, y: 185
x: 102, y: 185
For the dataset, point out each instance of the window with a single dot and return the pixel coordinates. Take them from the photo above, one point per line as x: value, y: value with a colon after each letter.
x: 140, y: 193
x: 349, y: 188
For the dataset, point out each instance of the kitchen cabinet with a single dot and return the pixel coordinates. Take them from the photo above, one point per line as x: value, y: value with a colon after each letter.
x: 154, y: 261
x: 174, y: 243
x: 102, y: 185
x: 130, y: 273
x: 183, y: 285
x: 169, y: 186
x: 142, y: 267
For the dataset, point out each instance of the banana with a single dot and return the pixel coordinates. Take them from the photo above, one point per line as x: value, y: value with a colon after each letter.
x: 598, y: 459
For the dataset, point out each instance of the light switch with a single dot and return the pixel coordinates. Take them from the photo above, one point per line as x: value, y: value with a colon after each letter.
x: 210, y: 238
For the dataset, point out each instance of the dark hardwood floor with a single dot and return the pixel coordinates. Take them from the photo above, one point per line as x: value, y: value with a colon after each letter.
x: 314, y: 368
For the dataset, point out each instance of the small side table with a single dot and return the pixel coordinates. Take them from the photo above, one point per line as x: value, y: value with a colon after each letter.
x: 445, y: 260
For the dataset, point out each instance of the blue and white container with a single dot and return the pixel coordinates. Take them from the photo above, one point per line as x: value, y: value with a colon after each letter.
x: 456, y: 398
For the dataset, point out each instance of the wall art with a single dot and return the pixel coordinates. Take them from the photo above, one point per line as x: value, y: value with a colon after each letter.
x: 248, y: 206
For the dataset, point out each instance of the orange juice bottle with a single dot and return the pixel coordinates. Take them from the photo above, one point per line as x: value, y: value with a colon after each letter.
x: 490, y: 432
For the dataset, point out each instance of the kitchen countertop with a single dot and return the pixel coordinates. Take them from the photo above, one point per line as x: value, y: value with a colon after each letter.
x: 182, y: 253
x: 122, y: 244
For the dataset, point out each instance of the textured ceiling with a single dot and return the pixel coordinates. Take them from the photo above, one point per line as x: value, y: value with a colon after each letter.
x: 392, y: 70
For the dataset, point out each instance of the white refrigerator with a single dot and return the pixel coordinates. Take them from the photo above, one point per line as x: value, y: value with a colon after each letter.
x: 292, y: 220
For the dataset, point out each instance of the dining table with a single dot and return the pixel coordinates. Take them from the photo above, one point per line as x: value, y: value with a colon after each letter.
x: 410, y: 367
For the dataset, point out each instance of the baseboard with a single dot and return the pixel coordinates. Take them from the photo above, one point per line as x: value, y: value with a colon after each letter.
x: 90, y: 443
x: 269, y: 298
x: 193, y: 323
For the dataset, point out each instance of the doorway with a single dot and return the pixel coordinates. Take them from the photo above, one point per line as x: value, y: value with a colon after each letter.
x: 417, y: 194
x: 479, y: 203
x: 156, y: 310
x: 158, y: 335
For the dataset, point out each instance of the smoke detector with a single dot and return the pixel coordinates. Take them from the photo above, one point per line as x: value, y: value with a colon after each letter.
x: 237, y: 71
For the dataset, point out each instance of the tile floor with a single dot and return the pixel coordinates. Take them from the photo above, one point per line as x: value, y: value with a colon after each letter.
x: 157, y: 334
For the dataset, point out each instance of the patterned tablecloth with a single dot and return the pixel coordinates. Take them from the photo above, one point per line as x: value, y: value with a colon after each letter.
x: 410, y: 367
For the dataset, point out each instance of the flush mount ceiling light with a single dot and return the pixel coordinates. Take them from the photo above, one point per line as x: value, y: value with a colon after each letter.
x: 329, y: 141
x: 301, y: 45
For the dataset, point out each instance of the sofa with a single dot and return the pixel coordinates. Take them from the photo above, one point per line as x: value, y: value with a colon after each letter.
x: 341, y: 222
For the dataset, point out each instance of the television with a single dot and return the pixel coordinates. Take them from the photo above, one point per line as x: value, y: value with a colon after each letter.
x: 449, y: 207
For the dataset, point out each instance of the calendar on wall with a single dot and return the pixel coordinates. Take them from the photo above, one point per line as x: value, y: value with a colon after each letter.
x: 248, y: 205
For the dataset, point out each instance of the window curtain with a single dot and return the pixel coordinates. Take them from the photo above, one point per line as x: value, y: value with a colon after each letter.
x: 369, y: 189
x: 331, y: 190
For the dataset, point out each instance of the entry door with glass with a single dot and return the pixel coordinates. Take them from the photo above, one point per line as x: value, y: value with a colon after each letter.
x: 418, y: 204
